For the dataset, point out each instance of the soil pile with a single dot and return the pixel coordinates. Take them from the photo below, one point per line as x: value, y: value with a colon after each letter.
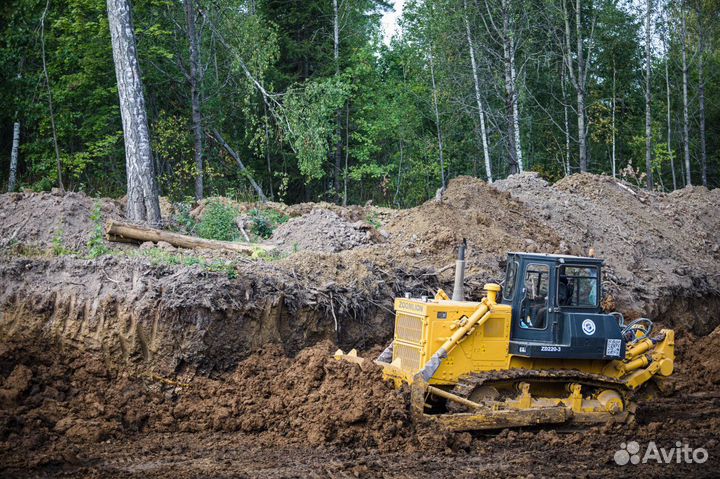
x: 51, y: 399
x: 492, y: 222
x: 323, y: 230
x: 38, y: 219
x: 655, y: 244
x: 698, y: 362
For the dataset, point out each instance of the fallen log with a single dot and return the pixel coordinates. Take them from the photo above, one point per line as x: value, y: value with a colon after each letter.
x: 126, y: 232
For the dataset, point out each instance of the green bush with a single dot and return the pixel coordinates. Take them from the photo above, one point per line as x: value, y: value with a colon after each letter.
x: 184, y: 222
x: 58, y: 243
x: 96, y: 244
x: 218, y: 222
x: 264, y: 222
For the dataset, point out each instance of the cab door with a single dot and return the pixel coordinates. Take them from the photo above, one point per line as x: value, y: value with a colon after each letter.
x: 534, y: 313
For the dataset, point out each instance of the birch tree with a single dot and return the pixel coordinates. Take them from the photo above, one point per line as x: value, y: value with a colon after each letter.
x: 507, y: 32
x: 142, y: 193
x: 436, y: 111
x: 578, y: 73
x: 476, y: 82
x: 14, y: 153
x: 614, y: 129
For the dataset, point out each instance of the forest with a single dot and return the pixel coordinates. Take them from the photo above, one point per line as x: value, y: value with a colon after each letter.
x: 308, y: 100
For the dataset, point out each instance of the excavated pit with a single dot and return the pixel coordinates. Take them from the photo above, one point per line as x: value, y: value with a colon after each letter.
x: 127, y: 366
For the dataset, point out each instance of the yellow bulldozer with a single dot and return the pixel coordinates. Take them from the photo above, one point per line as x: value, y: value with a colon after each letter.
x: 537, y: 350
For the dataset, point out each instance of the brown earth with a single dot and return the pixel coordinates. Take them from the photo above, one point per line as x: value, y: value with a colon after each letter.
x: 33, y: 219
x: 159, y: 362
x: 323, y: 230
x: 662, y: 250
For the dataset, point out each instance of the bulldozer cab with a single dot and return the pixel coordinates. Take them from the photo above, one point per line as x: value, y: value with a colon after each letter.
x: 556, y: 309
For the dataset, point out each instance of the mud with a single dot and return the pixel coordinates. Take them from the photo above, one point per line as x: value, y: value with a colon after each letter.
x: 145, y: 363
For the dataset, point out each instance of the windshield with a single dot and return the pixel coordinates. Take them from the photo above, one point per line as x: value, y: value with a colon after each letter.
x: 578, y: 286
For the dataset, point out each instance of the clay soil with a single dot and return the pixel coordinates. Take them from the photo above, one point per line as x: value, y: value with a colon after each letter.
x: 150, y: 363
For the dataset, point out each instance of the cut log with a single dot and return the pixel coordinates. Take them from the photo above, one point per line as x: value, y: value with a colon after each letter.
x: 126, y: 232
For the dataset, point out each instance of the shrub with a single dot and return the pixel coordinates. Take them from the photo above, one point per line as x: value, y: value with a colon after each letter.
x: 218, y: 222
x: 264, y: 222
x: 96, y: 243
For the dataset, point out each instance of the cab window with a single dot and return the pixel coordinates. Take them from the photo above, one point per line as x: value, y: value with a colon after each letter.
x: 578, y: 286
x: 533, y: 311
x: 510, y: 275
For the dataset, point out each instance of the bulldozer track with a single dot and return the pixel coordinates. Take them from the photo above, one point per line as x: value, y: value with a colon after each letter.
x: 469, y: 383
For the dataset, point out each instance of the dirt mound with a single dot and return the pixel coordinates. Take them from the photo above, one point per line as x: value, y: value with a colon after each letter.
x: 655, y: 245
x: 315, y: 398
x: 67, y: 413
x: 323, y: 230
x: 52, y: 398
x: 698, y: 364
x: 38, y: 219
x: 492, y: 222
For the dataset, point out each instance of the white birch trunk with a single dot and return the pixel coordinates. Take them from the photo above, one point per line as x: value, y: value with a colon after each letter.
x: 563, y: 81
x: 582, y: 130
x: 142, y: 193
x: 511, y: 104
x: 14, y: 154
x: 481, y: 113
x: 516, y: 109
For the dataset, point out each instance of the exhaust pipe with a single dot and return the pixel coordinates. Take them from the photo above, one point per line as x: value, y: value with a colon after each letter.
x: 459, y: 288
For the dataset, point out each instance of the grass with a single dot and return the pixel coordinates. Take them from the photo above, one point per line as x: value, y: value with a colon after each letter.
x: 96, y: 244
x: 159, y: 256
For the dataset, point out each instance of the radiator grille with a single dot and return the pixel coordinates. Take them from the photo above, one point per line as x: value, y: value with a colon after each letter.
x: 408, y: 328
x: 409, y: 356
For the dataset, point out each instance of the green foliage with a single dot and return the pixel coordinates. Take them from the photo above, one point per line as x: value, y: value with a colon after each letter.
x: 58, y: 243
x: 373, y: 219
x: 265, y: 221
x: 182, y: 216
x: 96, y: 244
x: 160, y: 257
x: 311, y: 113
x: 375, y: 102
x: 551, y: 174
x: 218, y: 222
x: 172, y: 144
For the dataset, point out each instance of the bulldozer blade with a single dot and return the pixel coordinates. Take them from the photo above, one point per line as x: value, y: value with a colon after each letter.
x: 351, y: 356
x: 500, y: 419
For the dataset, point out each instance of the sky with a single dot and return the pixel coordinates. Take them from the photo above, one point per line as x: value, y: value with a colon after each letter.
x: 390, y: 21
